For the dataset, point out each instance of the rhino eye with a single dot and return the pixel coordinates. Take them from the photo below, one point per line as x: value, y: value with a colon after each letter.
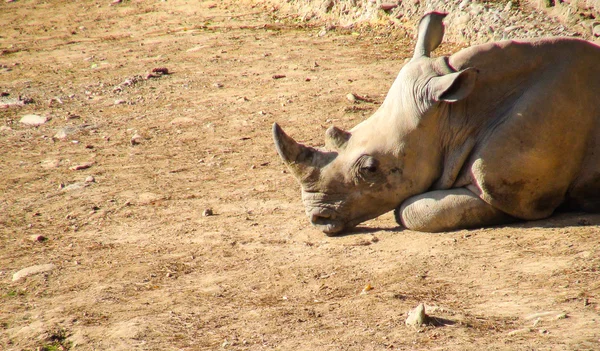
x: 371, y: 169
x: 368, y: 164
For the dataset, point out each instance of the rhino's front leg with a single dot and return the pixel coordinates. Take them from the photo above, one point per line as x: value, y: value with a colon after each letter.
x: 446, y: 210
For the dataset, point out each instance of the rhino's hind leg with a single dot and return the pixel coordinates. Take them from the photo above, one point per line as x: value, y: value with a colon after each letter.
x: 446, y: 210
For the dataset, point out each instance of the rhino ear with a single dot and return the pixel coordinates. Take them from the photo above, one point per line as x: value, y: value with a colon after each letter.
x: 431, y: 32
x: 336, y: 138
x: 454, y: 86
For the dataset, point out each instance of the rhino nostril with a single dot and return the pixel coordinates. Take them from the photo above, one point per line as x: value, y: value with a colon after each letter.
x: 317, y: 218
x: 322, y: 217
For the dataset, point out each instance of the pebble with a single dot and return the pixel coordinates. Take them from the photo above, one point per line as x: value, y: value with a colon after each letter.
x: 37, y: 238
x: 388, y: 6
x: 519, y: 331
x: 207, y: 212
x: 50, y: 163
x: 183, y: 120
x: 64, y: 132
x: 160, y: 70
x: 596, y: 29
x: 71, y: 187
x: 90, y: 179
x: 33, y: 120
x: 42, y: 268
x: 82, y: 166
x: 120, y: 102
x: 417, y: 317
x: 351, y: 97
x: 136, y: 139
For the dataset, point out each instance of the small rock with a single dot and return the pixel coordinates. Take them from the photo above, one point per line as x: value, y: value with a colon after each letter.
x: 82, y: 166
x: 161, y: 70
x: 32, y: 270
x: 366, y: 289
x: 278, y: 76
x: 63, y: 133
x: 37, y: 238
x: 33, y: 120
x: 50, y: 163
x: 120, y: 102
x: 90, y: 179
x: 388, y: 6
x: 207, y: 212
x: 596, y: 29
x: 417, y: 317
x: 561, y: 316
x: 183, y: 120
x: 71, y: 187
x: 136, y: 139
x: 218, y: 85
x: 6, y: 101
x: 519, y: 331
x: 351, y: 97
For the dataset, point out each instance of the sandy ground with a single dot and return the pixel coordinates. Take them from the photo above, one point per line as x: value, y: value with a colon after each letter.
x: 118, y: 208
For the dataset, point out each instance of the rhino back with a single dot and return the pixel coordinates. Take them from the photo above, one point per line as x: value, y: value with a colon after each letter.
x: 535, y: 113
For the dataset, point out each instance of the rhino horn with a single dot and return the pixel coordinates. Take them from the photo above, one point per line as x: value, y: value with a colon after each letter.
x: 336, y: 138
x: 431, y: 32
x: 299, y: 158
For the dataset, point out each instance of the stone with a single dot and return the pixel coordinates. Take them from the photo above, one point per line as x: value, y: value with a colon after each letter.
x: 596, y: 29
x: 37, y: 238
x: 72, y: 187
x: 90, y: 179
x: 64, y: 132
x: 183, y: 120
x: 136, y: 139
x: 25, y: 272
x: 33, y: 120
x: 519, y: 331
x: 50, y: 163
x: 417, y: 317
x: 82, y: 166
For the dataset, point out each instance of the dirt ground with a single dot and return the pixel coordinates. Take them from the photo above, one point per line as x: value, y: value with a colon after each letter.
x: 121, y: 205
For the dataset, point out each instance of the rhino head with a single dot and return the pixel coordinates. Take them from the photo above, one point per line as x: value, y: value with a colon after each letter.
x: 396, y: 153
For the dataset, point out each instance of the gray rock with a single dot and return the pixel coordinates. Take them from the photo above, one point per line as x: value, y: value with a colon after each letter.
x: 74, y: 186
x: 64, y: 132
x: 417, y: 317
x: 42, y: 268
x: 33, y: 120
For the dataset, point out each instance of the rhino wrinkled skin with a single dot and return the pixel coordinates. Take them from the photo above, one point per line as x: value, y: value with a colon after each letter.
x: 493, y: 133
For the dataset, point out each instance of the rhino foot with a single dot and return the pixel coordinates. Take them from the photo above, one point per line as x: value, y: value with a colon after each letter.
x: 448, y: 210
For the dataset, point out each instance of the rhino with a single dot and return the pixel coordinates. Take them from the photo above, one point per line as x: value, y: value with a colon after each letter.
x: 494, y: 133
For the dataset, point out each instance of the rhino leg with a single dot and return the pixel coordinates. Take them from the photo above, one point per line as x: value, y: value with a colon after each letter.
x: 446, y: 210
